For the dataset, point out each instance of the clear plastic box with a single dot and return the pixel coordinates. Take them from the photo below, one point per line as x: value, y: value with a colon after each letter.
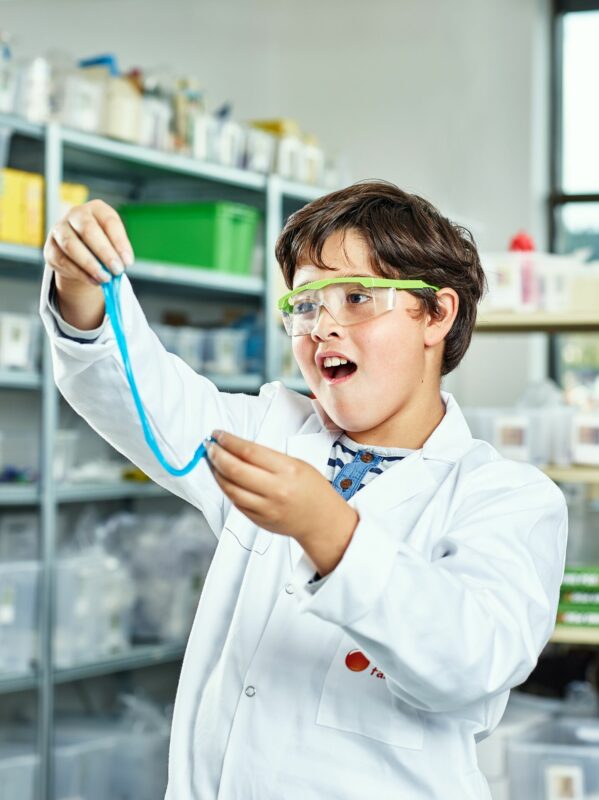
x: 189, y: 345
x: 225, y: 351
x: 78, y: 587
x: 554, y: 760
x: 20, y: 340
x: 20, y: 450
x: 140, y: 766
x: 18, y: 615
x: 132, y: 749
x: 65, y: 451
x: 94, y: 599
x: 19, y: 765
x: 19, y: 536
x: 538, y: 435
x: 83, y: 764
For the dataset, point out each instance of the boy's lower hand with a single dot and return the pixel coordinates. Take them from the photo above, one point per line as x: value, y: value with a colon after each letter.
x: 281, y: 494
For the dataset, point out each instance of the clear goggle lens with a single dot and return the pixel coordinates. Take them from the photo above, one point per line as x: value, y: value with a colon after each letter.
x: 347, y: 303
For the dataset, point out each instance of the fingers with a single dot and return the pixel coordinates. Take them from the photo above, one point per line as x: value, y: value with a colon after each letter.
x: 269, y: 460
x: 88, y: 234
x: 238, y: 472
x: 103, y: 233
x: 61, y: 263
x: 245, y: 501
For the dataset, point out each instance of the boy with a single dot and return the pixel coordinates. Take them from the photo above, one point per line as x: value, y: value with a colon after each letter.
x: 382, y: 579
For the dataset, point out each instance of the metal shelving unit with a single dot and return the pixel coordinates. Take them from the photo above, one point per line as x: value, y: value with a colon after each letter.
x: 81, y: 154
x: 539, y: 322
x: 542, y: 322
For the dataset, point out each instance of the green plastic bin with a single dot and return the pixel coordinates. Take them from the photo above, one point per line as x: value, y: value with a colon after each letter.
x: 218, y: 236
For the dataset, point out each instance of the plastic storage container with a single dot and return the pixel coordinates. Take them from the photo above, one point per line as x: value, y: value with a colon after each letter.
x: 78, y: 589
x: 94, y: 599
x: 18, y: 614
x: 225, y: 351
x: 18, y: 771
x: 65, y: 452
x: 20, y: 341
x: 19, y: 456
x: 537, y: 435
x: 82, y: 764
x: 217, y: 236
x: 139, y: 766
x: 131, y: 750
x: 555, y: 760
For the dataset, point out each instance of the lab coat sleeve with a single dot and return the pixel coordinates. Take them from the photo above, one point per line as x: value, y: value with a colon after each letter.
x: 182, y: 407
x: 470, y: 621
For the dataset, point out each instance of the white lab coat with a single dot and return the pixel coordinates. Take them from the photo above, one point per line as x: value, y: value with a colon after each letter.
x: 449, y: 588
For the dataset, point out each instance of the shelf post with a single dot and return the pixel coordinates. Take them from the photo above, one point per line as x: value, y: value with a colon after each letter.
x: 48, y: 506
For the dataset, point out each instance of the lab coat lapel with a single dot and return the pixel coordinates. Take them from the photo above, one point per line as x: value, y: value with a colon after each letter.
x: 397, y: 484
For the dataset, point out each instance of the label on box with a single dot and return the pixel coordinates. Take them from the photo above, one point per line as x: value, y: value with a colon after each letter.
x: 564, y: 782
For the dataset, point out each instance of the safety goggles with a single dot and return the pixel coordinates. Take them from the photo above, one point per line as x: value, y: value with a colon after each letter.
x: 348, y: 300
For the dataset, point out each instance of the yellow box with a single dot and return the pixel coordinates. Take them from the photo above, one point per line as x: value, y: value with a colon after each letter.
x: 11, y: 205
x: 33, y: 222
x: 22, y: 205
x: 33, y: 209
x: 72, y: 194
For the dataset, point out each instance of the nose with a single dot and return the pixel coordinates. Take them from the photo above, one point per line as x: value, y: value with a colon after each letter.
x: 325, y: 325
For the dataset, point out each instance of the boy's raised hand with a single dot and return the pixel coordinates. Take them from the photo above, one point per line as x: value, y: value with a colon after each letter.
x: 85, y: 234
x: 283, y: 495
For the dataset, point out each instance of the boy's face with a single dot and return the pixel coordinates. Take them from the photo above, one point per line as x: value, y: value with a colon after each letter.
x: 398, y: 358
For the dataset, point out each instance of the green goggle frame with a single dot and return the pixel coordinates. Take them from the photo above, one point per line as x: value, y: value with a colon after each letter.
x: 285, y: 306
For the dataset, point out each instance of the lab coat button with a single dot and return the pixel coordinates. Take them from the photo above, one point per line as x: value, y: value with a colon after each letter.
x: 366, y: 457
x: 346, y: 483
x: 250, y: 691
x: 289, y: 589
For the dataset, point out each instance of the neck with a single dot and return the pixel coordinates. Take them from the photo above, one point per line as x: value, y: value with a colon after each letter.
x: 410, y: 427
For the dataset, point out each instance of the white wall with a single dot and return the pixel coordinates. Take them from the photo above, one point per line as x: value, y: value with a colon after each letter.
x: 447, y: 99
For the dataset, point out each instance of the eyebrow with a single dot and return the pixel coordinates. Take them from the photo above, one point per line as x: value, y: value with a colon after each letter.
x: 299, y: 286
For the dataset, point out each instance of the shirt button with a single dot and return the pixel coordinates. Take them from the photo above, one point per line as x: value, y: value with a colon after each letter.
x: 346, y: 483
x: 366, y: 457
x: 250, y: 691
x: 289, y: 589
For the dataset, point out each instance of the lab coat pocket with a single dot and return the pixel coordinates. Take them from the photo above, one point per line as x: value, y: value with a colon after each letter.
x: 247, y: 534
x: 355, y: 698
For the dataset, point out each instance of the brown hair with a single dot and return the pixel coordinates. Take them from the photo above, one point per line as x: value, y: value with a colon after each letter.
x: 407, y: 237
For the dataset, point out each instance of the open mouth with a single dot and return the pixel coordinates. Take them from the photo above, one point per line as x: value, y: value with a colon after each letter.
x: 339, y: 372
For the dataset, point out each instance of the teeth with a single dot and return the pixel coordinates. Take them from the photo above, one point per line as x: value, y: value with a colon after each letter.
x: 333, y: 361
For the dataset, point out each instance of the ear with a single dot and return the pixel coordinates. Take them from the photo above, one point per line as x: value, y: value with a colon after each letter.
x: 437, y: 329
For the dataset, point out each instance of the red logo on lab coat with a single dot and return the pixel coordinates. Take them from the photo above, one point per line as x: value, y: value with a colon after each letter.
x: 357, y: 662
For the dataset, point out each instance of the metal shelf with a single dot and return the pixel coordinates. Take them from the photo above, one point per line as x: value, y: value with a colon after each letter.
x: 163, y: 160
x: 10, y: 682
x: 197, y: 278
x: 22, y: 126
x: 573, y: 474
x: 138, y: 657
x: 90, y: 492
x: 300, y: 191
x: 250, y: 382
x: 112, y: 166
x: 564, y: 634
x: 15, y: 494
x: 20, y: 253
x: 19, y: 379
x: 543, y: 322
